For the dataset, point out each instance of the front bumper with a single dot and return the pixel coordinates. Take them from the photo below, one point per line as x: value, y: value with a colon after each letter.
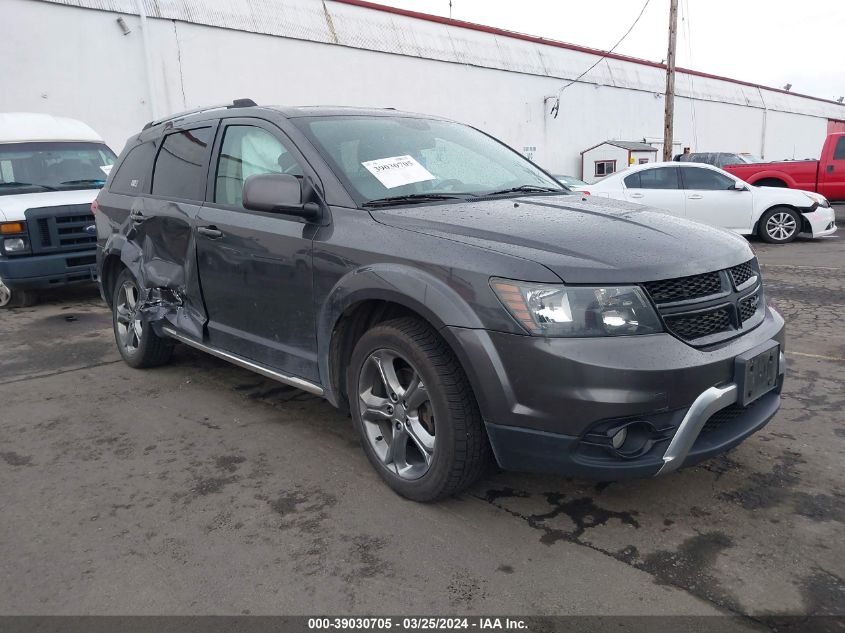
x: 818, y: 223
x: 48, y: 271
x: 542, y: 399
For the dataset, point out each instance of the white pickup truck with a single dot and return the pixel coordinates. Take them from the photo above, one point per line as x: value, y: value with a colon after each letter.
x: 51, y: 169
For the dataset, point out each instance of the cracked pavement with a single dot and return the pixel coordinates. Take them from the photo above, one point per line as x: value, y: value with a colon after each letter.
x: 201, y: 488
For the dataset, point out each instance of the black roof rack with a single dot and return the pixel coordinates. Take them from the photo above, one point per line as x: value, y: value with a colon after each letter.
x: 237, y: 103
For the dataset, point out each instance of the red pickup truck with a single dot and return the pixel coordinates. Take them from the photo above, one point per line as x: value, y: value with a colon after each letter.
x: 825, y: 176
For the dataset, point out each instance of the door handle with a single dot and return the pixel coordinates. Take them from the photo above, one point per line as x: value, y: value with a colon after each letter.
x: 210, y: 231
x: 829, y: 169
x: 636, y: 195
x: 695, y: 196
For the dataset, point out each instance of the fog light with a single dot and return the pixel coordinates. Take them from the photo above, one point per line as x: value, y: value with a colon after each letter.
x: 14, y: 245
x: 619, y: 438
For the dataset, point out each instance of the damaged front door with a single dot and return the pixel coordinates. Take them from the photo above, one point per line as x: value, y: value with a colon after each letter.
x: 255, y: 267
x: 160, y: 250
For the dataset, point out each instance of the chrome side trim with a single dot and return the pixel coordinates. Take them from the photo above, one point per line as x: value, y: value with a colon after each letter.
x: 293, y: 381
x: 712, y: 400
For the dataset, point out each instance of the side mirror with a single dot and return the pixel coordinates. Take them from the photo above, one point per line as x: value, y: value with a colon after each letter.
x: 277, y: 193
x: 738, y: 186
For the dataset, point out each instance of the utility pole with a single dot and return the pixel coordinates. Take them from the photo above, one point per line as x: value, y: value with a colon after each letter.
x: 669, y: 114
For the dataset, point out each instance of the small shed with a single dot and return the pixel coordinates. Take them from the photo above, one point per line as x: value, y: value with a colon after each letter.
x: 610, y: 156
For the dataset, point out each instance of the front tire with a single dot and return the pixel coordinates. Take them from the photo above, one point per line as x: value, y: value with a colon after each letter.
x: 16, y: 298
x: 415, y: 411
x: 780, y: 225
x: 136, y: 341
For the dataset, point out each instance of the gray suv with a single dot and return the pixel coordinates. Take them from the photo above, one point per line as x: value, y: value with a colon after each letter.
x: 454, y: 298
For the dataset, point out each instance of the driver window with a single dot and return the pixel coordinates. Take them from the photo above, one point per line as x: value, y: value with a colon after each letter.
x: 245, y: 151
x: 706, y: 179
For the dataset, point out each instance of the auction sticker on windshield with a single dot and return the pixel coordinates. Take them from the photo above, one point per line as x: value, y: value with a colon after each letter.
x: 397, y: 171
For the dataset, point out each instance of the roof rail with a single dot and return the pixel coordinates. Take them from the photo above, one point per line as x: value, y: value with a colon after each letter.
x: 237, y: 103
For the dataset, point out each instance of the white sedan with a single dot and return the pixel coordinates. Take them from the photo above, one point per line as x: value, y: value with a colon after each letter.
x: 707, y: 194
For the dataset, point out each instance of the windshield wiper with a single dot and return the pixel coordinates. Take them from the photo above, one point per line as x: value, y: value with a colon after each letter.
x: 413, y: 197
x: 525, y: 189
x: 84, y: 181
x: 14, y: 183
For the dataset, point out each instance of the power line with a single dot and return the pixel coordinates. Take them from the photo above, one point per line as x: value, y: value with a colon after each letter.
x: 556, y: 108
x: 685, y: 21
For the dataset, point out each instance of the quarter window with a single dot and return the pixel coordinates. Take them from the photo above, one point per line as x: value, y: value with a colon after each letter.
x: 706, y: 179
x: 246, y: 151
x: 134, y: 172
x: 605, y: 167
x: 178, y: 171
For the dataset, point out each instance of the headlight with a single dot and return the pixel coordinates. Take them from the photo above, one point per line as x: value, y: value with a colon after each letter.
x: 558, y: 310
x: 817, y: 197
x: 15, y: 245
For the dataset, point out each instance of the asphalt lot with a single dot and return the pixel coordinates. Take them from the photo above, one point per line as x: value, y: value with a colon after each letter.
x: 202, y: 488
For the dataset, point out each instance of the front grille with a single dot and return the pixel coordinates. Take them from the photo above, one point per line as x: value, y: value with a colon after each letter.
x: 742, y: 273
x: 748, y: 306
x: 61, y: 229
x: 708, y: 308
x: 698, y: 325
x: 683, y: 288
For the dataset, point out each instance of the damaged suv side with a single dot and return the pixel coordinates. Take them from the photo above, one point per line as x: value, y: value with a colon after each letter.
x: 453, y: 297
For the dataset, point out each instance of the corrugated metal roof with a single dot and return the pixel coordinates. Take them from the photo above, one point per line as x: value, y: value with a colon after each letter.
x: 634, y: 146
x: 363, y: 25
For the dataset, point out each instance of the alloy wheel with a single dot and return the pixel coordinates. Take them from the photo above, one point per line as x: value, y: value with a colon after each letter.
x: 397, y: 414
x: 130, y: 328
x: 781, y: 226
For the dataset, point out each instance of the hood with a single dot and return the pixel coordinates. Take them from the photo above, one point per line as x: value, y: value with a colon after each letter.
x: 12, y: 207
x: 583, y: 240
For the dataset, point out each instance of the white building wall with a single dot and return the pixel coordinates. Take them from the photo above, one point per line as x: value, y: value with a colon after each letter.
x: 76, y: 62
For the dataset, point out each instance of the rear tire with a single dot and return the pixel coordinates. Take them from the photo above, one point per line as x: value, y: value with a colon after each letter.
x: 136, y: 341
x: 415, y: 411
x: 779, y: 225
x: 16, y: 298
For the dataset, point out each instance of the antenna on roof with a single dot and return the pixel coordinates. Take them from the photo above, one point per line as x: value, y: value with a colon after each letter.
x: 243, y: 103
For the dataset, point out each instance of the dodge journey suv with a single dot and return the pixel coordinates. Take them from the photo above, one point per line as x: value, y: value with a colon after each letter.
x: 454, y: 298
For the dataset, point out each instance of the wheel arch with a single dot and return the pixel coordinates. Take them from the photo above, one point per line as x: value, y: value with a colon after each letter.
x: 368, y: 296
x: 760, y: 179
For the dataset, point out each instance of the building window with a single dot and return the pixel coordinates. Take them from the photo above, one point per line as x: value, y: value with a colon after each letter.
x: 643, y: 161
x: 605, y: 167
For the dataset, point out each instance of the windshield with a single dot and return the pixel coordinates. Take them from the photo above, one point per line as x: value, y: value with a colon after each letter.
x: 571, y: 181
x: 381, y: 158
x: 53, y: 166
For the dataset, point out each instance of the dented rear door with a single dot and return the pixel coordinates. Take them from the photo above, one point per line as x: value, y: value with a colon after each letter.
x: 161, y: 248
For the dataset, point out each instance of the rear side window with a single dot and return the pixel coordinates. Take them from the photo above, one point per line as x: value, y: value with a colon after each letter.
x: 133, y: 175
x: 839, y: 150
x: 706, y: 179
x: 659, y: 178
x: 180, y: 167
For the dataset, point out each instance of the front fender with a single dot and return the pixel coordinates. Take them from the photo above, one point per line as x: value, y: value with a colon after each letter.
x: 441, y: 304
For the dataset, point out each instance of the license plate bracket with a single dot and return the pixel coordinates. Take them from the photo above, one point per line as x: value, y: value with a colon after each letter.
x: 756, y: 372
